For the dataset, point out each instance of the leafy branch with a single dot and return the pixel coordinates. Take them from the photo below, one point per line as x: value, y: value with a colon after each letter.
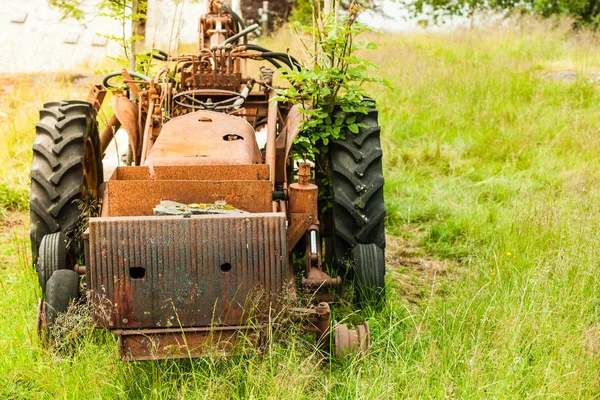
x: 332, y: 79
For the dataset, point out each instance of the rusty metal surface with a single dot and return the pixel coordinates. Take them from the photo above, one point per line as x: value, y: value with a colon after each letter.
x: 299, y: 223
x: 303, y: 199
x: 303, y: 195
x: 271, y: 145
x: 108, y: 133
x: 303, y: 205
x: 96, y: 96
x: 136, y: 198
x: 127, y: 114
x: 352, y: 341
x: 205, y: 137
x: 162, y: 272
x: 292, y: 129
x: 317, y: 279
x: 156, y: 344
x: 256, y: 172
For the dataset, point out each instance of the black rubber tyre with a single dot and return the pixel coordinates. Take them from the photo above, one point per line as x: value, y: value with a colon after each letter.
x: 358, y: 210
x: 61, y: 289
x: 369, y: 273
x: 52, y: 257
x: 66, y: 168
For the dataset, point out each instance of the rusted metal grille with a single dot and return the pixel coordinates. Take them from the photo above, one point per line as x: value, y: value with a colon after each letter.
x: 161, y: 272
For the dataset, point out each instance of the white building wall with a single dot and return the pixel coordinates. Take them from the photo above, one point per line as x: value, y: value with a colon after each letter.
x: 169, y: 23
x: 34, y: 39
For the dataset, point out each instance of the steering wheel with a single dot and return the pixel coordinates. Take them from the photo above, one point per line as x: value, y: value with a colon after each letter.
x: 203, y: 105
x: 133, y: 74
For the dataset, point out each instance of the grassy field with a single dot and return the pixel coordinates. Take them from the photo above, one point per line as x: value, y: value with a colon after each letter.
x: 493, y: 192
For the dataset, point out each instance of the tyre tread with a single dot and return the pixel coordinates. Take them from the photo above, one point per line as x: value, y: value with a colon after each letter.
x: 357, y: 183
x: 57, y: 167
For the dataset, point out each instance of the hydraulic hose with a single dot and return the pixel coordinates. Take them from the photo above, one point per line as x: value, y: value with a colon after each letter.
x: 158, y: 55
x: 240, y: 26
x: 269, y: 55
x: 119, y: 73
x: 256, y: 47
x: 235, y: 37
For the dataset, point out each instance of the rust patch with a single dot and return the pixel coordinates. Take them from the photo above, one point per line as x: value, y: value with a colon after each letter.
x: 257, y: 172
x: 199, y: 271
x: 131, y: 198
x: 193, y: 140
x: 155, y: 344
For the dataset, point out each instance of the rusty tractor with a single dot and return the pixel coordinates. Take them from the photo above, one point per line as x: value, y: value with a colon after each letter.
x: 195, y: 242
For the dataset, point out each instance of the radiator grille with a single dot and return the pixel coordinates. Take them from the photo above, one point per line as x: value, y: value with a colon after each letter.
x: 147, y: 272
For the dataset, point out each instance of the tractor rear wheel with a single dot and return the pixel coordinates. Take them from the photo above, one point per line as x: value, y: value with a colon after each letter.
x: 66, y: 170
x: 358, y: 209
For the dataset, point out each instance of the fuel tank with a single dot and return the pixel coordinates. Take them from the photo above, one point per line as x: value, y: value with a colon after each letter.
x: 205, y: 137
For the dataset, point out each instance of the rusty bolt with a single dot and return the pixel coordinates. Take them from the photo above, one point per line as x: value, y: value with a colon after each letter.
x: 304, y: 173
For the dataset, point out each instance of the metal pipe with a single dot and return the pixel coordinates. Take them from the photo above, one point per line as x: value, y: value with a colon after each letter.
x: 245, y: 32
x: 313, y: 242
x: 146, y: 138
x: 109, y: 131
x: 271, y: 134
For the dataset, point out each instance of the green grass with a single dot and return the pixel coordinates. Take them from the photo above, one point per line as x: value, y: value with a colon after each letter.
x: 493, y: 193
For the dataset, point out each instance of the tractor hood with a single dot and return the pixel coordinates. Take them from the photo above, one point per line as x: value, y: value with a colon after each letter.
x: 205, y: 137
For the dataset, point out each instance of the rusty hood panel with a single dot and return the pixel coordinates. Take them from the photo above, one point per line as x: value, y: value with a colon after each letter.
x: 205, y: 137
x: 163, y: 272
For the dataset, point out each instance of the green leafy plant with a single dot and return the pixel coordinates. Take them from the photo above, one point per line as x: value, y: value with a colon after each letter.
x: 332, y: 80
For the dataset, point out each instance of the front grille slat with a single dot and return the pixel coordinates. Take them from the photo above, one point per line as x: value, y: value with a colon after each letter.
x: 183, y: 283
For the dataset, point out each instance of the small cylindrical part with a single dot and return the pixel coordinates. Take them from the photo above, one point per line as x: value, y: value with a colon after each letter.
x: 313, y: 242
x: 303, y: 196
x: 303, y: 199
x: 304, y: 173
x: 352, y: 341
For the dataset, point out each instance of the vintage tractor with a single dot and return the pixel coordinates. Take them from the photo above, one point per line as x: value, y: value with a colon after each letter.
x: 194, y: 243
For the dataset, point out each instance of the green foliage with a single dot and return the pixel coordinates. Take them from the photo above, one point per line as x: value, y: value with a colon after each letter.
x: 302, y: 12
x: 583, y: 11
x: 333, y: 80
x: 439, y: 9
x: 68, y: 8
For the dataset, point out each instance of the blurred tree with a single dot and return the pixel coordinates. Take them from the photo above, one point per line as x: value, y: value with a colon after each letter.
x: 584, y: 12
x: 438, y: 10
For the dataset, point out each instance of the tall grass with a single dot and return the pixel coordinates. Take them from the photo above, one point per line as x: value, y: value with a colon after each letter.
x: 493, y: 194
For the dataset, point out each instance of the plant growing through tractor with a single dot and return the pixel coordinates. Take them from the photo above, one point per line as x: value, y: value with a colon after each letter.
x: 330, y: 87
